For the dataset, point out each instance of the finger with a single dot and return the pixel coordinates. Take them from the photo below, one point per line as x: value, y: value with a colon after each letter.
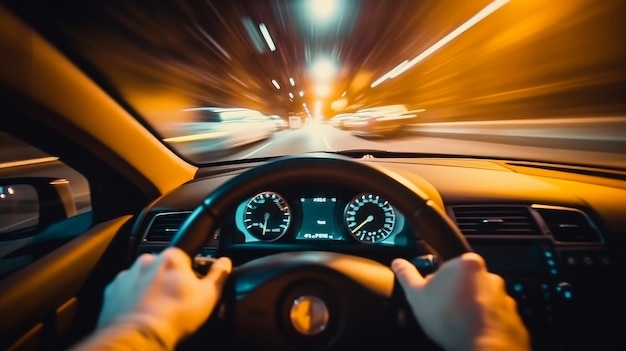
x: 471, y: 262
x: 174, y: 257
x: 219, y: 271
x: 407, y: 274
x: 143, y: 262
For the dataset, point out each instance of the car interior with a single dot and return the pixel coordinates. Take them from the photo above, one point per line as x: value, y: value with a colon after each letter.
x: 100, y: 187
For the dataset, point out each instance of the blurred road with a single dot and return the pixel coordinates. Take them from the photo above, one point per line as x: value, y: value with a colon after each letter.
x: 495, y: 143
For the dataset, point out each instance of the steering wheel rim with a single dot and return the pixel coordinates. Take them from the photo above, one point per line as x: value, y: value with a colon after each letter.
x: 279, y: 280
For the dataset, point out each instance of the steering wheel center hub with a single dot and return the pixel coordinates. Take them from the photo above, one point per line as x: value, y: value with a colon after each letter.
x: 309, y: 315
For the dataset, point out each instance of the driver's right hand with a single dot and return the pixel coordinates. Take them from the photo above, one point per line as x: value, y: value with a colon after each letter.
x: 462, y: 306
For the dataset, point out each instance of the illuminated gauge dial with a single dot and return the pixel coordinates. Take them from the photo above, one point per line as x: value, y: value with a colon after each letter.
x: 369, y: 218
x: 267, y: 216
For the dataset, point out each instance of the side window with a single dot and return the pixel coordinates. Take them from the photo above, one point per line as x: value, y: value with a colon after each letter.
x: 43, y: 203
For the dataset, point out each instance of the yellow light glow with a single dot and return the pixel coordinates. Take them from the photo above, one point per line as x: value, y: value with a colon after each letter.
x: 339, y: 104
x: 323, y: 69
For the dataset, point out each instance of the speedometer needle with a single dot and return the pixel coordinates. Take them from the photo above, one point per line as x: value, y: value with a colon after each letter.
x: 367, y: 220
x: 266, y: 216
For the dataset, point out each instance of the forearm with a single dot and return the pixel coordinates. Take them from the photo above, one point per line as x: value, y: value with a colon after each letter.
x: 124, y: 337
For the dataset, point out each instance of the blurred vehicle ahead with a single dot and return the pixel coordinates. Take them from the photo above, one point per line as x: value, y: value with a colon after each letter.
x: 338, y: 120
x: 213, y: 129
x: 380, y: 121
x: 295, y: 122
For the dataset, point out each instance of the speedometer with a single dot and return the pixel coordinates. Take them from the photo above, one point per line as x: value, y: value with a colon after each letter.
x: 267, y: 216
x: 369, y: 218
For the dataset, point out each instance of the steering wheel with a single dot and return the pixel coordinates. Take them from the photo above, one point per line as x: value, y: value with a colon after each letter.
x: 305, y: 300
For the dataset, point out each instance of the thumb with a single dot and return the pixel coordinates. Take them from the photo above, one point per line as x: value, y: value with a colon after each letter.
x: 408, y: 276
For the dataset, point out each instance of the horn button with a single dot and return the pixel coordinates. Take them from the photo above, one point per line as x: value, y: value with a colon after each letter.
x: 309, y: 315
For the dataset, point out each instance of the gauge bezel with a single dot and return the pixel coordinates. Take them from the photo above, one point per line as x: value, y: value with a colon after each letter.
x: 387, y: 231
x: 282, y: 201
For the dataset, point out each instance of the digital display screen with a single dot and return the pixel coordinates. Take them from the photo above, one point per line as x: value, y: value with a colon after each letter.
x: 318, y: 218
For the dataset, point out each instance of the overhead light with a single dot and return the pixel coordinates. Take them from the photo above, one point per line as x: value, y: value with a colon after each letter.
x: 292, y: 82
x: 301, y: 93
x: 267, y: 37
x: 275, y: 84
x: 291, y: 95
x: 323, y: 9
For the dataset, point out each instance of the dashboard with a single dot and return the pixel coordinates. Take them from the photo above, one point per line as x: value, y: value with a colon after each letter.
x: 555, y: 234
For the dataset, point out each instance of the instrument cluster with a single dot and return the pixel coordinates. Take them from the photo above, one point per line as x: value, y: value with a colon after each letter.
x: 270, y: 216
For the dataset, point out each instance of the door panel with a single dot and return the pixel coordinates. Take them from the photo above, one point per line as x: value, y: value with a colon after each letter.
x: 47, y: 291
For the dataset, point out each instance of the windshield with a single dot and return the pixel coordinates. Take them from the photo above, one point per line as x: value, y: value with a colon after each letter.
x: 232, y: 80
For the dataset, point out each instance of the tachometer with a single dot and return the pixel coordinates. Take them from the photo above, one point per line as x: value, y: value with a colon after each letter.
x: 267, y: 216
x: 369, y: 218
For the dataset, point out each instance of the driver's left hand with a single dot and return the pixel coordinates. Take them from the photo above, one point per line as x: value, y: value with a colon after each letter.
x: 162, y: 294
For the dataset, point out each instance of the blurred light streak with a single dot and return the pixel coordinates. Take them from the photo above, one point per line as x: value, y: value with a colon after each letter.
x: 398, y: 69
x: 238, y: 80
x: 267, y: 37
x: 28, y: 162
x: 276, y: 84
x: 301, y: 93
x: 208, y: 37
x: 291, y: 95
x: 253, y: 34
x: 292, y: 82
x: 403, y: 67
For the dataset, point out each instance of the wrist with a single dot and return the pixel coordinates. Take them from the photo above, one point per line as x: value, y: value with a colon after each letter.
x: 145, y: 333
x: 152, y: 335
x: 501, y: 343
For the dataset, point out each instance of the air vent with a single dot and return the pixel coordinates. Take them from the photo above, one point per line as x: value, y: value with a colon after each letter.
x: 568, y: 224
x: 495, y: 220
x: 165, y: 225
